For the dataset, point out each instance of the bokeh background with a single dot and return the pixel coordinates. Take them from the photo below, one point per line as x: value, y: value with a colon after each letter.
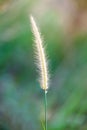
x: 63, y: 23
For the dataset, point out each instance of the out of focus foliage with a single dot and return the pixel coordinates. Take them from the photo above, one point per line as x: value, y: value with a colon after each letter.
x: 21, y: 99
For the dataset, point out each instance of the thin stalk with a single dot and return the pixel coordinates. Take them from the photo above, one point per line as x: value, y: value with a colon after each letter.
x: 45, y: 110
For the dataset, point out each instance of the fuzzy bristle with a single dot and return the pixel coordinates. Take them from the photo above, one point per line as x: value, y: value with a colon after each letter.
x: 40, y: 56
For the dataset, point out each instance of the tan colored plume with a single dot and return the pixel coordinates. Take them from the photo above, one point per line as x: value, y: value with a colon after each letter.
x: 40, y: 56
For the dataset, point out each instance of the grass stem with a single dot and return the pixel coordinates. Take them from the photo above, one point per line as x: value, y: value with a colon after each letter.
x: 45, y: 110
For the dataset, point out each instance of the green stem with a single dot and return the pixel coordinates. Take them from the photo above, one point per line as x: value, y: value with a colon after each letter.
x: 45, y: 110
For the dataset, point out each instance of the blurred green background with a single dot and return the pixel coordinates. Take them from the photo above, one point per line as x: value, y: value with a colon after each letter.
x: 63, y: 23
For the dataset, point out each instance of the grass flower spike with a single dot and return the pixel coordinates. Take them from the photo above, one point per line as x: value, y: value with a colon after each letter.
x: 40, y: 56
x: 41, y: 63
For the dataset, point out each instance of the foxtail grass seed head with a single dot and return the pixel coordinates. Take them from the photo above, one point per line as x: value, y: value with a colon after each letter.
x: 40, y: 56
